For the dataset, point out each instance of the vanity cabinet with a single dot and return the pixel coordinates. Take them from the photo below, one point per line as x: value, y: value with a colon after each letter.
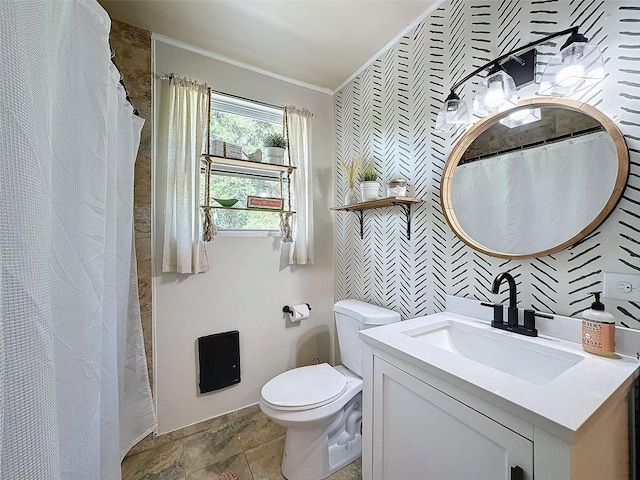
x: 418, y: 425
x: 423, y: 433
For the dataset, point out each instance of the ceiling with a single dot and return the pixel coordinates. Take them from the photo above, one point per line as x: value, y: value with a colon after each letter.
x: 320, y: 43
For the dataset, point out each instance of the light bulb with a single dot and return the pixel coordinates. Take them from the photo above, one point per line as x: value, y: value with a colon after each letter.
x: 570, y: 75
x: 494, y: 97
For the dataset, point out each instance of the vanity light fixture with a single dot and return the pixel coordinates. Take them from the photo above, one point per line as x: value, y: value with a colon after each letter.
x: 454, y: 113
x: 496, y: 92
x: 577, y: 66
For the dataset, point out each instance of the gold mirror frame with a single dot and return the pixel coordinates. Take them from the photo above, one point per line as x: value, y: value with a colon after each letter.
x: 480, y: 127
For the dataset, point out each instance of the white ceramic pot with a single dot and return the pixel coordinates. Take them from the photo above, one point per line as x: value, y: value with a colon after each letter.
x: 274, y: 155
x: 369, y: 190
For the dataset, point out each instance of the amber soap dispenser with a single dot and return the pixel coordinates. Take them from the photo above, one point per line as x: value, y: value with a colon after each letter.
x: 598, y: 329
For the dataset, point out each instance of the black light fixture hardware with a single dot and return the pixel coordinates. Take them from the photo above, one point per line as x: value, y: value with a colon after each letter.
x: 522, y: 68
x: 572, y: 30
x: 577, y: 66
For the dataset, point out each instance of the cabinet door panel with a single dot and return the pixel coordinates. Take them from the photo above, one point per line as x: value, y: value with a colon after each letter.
x: 420, y: 433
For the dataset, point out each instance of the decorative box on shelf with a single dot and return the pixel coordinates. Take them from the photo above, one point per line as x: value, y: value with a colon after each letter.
x: 225, y: 149
x: 268, y: 203
x: 232, y: 151
x: 217, y: 148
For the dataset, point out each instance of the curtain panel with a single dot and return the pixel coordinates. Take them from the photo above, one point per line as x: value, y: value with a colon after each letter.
x: 188, y: 110
x: 298, y: 132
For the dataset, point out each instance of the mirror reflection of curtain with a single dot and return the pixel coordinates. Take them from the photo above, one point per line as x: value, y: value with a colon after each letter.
x: 529, y: 201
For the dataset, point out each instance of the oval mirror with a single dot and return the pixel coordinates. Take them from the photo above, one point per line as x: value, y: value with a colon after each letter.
x: 535, y: 179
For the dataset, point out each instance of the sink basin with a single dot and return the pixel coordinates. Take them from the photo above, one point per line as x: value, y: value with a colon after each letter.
x: 532, y: 378
x: 520, y: 358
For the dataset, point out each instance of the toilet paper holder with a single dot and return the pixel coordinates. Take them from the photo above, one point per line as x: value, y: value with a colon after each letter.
x: 289, y: 310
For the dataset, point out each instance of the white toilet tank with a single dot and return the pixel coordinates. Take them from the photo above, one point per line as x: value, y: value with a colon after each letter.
x: 351, y: 317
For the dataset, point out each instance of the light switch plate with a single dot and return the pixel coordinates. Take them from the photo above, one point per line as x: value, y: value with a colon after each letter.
x: 622, y: 286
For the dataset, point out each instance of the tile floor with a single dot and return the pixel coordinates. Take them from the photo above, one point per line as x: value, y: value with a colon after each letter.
x: 244, y: 441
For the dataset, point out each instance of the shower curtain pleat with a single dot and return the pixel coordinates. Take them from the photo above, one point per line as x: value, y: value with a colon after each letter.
x: 74, y: 390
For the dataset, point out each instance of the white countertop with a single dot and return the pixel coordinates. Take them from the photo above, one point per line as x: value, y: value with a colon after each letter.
x: 562, y: 407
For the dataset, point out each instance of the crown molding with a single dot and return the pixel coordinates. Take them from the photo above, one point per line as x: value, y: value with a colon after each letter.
x: 216, y: 56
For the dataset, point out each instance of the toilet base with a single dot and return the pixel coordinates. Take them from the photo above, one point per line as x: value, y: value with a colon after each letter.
x: 314, y: 454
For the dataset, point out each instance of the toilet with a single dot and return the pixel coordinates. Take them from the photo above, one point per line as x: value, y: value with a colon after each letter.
x: 321, y: 405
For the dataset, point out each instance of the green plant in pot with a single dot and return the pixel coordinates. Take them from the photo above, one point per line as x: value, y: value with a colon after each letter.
x: 275, y: 144
x: 369, y: 185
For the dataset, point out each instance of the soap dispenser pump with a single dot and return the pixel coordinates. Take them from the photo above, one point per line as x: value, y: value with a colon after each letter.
x: 598, y: 329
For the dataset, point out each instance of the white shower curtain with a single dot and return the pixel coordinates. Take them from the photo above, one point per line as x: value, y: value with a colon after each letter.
x: 74, y: 391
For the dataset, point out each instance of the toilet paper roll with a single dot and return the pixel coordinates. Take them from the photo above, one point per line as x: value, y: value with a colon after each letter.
x: 300, y: 312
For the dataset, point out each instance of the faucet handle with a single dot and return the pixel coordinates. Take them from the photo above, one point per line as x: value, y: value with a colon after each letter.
x: 497, y: 313
x: 530, y: 320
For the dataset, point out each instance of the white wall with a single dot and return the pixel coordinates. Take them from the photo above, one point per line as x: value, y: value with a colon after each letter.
x: 249, y: 282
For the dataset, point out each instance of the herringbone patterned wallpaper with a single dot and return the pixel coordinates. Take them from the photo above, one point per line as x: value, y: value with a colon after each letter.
x: 387, y: 114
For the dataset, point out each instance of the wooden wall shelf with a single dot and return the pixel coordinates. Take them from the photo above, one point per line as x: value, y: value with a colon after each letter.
x: 239, y: 166
x: 236, y: 162
x: 244, y: 209
x: 405, y: 202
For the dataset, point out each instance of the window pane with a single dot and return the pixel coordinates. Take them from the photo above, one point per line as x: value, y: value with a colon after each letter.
x: 239, y: 130
x: 247, y: 130
x: 239, y: 187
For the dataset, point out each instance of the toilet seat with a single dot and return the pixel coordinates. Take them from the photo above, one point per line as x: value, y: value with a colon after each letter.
x: 304, y: 388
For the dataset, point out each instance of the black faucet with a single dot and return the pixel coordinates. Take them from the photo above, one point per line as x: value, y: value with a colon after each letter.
x: 512, y: 325
x: 512, y: 311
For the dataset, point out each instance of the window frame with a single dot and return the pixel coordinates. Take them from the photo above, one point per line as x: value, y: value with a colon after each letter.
x: 230, y: 104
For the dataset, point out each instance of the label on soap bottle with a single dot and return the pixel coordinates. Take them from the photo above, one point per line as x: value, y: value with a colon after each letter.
x: 598, y: 338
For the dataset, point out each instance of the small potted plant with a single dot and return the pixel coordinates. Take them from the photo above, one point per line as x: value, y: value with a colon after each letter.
x: 369, y: 185
x: 275, y: 143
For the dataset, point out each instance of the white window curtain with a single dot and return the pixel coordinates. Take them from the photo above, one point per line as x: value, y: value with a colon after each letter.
x: 188, y: 110
x: 298, y: 132
x: 74, y: 390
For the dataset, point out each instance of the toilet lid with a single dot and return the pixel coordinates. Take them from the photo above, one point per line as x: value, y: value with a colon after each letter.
x: 304, y: 387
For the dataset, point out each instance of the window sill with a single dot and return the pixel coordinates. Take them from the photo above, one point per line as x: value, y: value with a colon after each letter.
x: 248, y: 233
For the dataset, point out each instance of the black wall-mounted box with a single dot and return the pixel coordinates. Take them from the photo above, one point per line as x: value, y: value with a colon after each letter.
x: 219, y: 358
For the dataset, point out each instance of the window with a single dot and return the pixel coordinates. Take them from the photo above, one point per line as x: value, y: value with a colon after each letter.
x: 243, y: 123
